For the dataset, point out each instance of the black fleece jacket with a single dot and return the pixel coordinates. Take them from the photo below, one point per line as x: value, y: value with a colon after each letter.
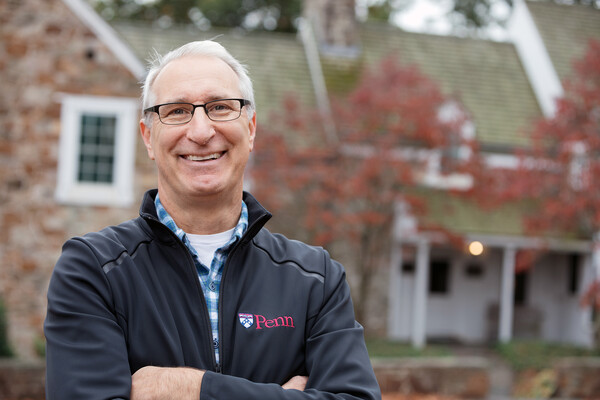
x: 129, y: 296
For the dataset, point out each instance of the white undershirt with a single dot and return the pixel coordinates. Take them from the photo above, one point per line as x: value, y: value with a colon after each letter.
x: 206, y: 245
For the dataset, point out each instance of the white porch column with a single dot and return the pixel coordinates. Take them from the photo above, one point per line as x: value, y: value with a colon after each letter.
x: 507, y: 294
x: 420, y: 300
x: 394, y: 293
x: 596, y: 254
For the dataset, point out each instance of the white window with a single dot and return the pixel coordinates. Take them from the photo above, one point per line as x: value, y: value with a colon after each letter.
x: 97, y: 150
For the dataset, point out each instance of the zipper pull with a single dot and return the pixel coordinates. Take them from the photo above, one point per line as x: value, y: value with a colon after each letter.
x: 218, y: 368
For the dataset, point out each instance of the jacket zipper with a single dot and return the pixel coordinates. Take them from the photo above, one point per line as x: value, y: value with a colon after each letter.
x: 216, y: 367
x: 225, y: 268
x: 249, y: 229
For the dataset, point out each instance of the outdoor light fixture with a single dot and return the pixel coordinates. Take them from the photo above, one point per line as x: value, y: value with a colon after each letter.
x: 475, y: 248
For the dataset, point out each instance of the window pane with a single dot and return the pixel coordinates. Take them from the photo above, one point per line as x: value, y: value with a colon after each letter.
x: 520, y: 296
x: 573, y: 280
x: 97, y: 156
x: 439, y: 276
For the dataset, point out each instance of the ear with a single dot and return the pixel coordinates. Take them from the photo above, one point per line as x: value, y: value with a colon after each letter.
x: 252, y: 131
x: 147, y: 138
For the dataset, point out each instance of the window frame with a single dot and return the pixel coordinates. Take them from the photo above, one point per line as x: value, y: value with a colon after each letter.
x: 69, y: 190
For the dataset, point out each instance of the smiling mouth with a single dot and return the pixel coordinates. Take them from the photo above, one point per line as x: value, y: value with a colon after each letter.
x: 213, y: 156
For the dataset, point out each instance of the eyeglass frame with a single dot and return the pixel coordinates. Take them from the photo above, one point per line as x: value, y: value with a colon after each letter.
x: 243, y: 102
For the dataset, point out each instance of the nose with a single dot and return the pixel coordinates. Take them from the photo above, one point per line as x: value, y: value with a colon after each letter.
x: 200, y: 129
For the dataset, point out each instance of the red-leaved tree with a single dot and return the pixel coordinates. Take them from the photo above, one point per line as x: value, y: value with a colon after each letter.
x: 342, y: 191
x: 559, y: 174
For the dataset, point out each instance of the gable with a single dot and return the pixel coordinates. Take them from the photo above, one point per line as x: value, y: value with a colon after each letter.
x: 106, y: 34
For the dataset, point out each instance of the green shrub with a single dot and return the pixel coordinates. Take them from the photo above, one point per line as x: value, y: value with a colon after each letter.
x: 39, y: 345
x: 5, y: 349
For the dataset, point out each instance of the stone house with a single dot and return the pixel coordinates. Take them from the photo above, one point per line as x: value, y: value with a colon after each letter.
x: 63, y: 72
x: 70, y: 161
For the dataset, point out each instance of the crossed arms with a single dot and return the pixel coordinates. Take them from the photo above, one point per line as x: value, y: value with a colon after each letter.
x: 92, y: 347
x: 156, y: 383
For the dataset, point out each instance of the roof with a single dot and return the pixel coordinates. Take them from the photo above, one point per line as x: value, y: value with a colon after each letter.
x: 465, y: 216
x: 486, y: 76
x: 565, y: 30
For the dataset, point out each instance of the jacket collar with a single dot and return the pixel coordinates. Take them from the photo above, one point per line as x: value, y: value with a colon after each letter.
x: 257, y: 217
x: 257, y: 214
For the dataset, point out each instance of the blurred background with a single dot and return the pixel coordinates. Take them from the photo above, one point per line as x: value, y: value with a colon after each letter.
x: 445, y: 151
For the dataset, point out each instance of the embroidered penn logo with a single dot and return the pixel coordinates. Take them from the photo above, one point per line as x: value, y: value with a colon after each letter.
x: 247, y: 320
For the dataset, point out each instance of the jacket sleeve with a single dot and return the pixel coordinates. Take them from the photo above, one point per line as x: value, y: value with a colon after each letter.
x: 337, y: 361
x: 86, y: 352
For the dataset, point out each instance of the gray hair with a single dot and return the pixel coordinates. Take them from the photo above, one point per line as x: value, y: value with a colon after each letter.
x: 207, y: 48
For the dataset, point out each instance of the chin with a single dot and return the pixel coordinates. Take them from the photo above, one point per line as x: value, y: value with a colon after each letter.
x: 207, y: 190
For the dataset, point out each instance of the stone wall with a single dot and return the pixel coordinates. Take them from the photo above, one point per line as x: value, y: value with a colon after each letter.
x: 45, y: 50
x: 464, y: 377
x: 22, y: 380
x: 452, y: 378
x: 578, y: 378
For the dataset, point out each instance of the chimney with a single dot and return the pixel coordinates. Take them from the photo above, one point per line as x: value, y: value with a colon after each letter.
x: 335, y: 26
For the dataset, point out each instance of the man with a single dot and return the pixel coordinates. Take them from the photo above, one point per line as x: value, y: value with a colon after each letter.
x: 194, y: 299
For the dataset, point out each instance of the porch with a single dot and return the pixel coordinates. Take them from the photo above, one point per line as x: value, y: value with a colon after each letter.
x: 437, y: 292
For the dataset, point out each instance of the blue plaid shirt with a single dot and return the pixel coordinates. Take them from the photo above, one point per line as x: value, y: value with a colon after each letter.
x: 210, y: 276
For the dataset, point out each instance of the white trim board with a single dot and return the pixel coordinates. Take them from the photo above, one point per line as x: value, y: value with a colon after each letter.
x: 108, y: 36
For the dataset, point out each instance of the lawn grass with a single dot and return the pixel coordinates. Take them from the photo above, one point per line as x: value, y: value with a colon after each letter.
x: 379, y: 348
x: 534, y: 354
x: 520, y: 354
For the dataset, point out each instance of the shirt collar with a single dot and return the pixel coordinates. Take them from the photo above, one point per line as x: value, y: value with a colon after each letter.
x: 167, y: 220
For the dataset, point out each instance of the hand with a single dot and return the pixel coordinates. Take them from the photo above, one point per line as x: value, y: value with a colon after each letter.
x: 297, y: 382
x: 157, y: 383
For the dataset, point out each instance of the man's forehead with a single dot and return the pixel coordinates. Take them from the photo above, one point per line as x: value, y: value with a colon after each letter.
x: 189, y: 64
x: 190, y: 73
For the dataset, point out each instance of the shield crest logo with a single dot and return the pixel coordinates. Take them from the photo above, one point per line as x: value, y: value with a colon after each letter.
x: 247, y: 320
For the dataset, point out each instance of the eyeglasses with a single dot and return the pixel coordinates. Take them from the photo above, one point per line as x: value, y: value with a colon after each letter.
x: 216, y: 110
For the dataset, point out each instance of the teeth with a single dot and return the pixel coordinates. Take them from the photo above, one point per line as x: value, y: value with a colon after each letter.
x: 213, y: 156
